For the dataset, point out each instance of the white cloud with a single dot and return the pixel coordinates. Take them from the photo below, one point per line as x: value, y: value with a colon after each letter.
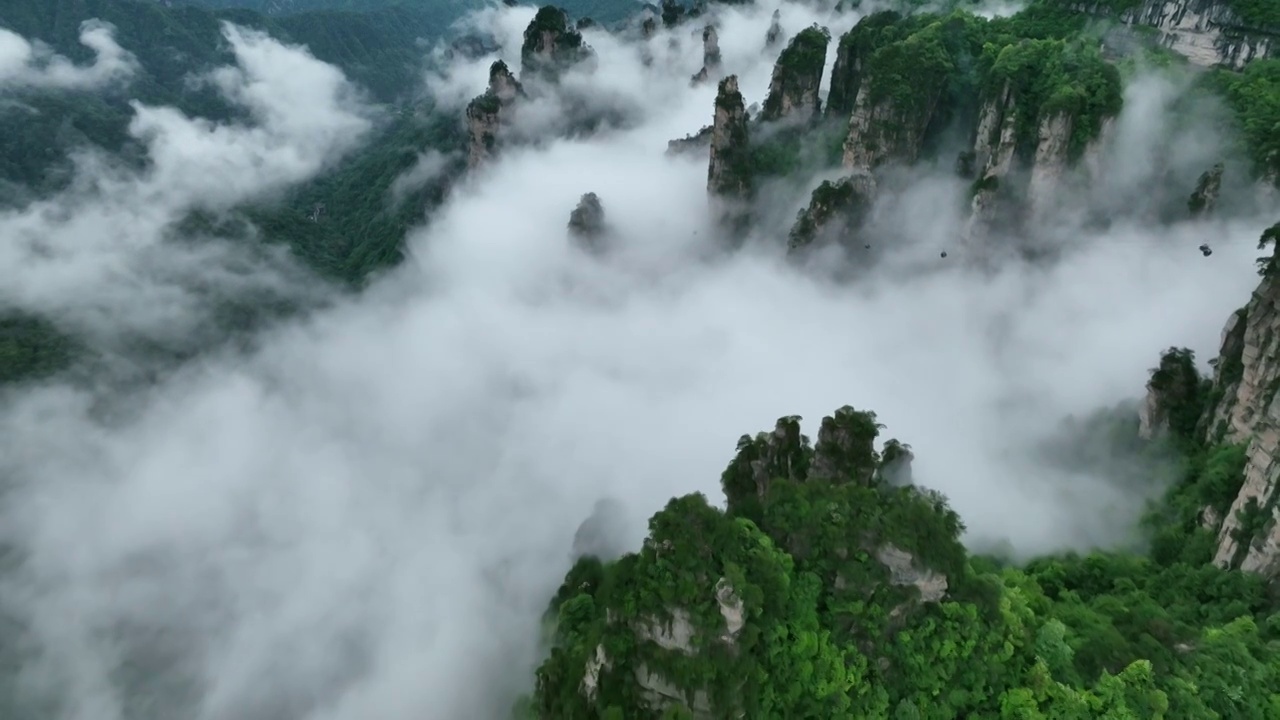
x: 35, y: 65
x: 98, y: 255
x: 364, y: 517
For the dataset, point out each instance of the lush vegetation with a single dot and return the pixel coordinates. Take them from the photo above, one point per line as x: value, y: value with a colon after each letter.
x: 798, y: 70
x: 1254, y: 96
x: 785, y: 604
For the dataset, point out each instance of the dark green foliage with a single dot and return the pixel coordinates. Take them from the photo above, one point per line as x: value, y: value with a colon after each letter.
x: 31, y: 348
x: 363, y: 226
x: 1254, y: 96
x: 839, y: 206
x: 551, y: 44
x: 1179, y: 392
x: 1051, y: 79
x: 1267, y: 265
x: 799, y: 68
x: 1257, y: 14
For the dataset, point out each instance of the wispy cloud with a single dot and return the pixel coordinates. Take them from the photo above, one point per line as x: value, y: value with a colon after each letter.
x: 24, y: 64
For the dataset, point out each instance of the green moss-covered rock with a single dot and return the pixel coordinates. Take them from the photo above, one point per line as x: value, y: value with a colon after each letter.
x: 551, y: 45
x: 797, y: 75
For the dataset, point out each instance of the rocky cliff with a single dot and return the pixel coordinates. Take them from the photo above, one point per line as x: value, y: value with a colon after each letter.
x: 1206, y: 32
x: 1242, y: 408
x: 489, y: 112
x: 551, y: 45
x: 728, y: 173
x: 793, y: 91
x: 835, y: 212
x: 710, y: 55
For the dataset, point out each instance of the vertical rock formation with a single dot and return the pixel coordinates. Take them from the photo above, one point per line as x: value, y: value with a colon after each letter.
x: 1172, y: 403
x: 551, y: 45
x: 1205, y: 197
x: 487, y: 113
x: 728, y: 173
x: 852, y: 55
x: 1243, y: 409
x: 700, y: 140
x: 993, y: 154
x: 1051, y: 160
x: 793, y: 92
x: 889, y: 119
x: 586, y: 222
x: 710, y: 55
x: 834, y: 213
x: 846, y: 451
x: 1206, y: 32
x: 774, y: 34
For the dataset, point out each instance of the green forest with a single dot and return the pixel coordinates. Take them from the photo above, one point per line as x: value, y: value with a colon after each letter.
x: 827, y: 631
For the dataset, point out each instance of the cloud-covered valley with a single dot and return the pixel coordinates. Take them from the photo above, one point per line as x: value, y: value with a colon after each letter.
x: 364, y: 515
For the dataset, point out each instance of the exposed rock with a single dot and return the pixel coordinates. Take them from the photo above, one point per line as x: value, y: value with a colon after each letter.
x: 793, y: 91
x: 781, y: 455
x: 660, y: 693
x: 852, y: 54
x: 731, y: 608
x: 774, y: 35
x: 551, y: 45
x: 881, y: 130
x: 728, y: 173
x: 675, y: 634
x: 835, y: 210
x: 710, y: 55
x: 845, y: 451
x: 1051, y: 161
x: 591, y: 678
x: 586, y: 222
x: 1210, y: 518
x: 700, y: 140
x: 488, y: 113
x: 995, y: 146
x: 1246, y: 378
x: 1206, y: 32
x: 1172, y: 401
x: 903, y: 571
x: 1205, y: 197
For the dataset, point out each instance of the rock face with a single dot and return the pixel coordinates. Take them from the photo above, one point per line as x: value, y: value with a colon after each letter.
x: 793, y: 92
x: 487, y: 113
x: 903, y: 571
x: 551, y: 45
x: 993, y: 153
x: 728, y: 172
x: 586, y: 222
x: 888, y: 121
x: 698, y: 141
x: 1172, y: 400
x: 1205, y: 197
x: 1206, y: 32
x: 774, y: 34
x: 710, y: 55
x: 852, y: 55
x: 835, y: 211
x: 1246, y: 378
